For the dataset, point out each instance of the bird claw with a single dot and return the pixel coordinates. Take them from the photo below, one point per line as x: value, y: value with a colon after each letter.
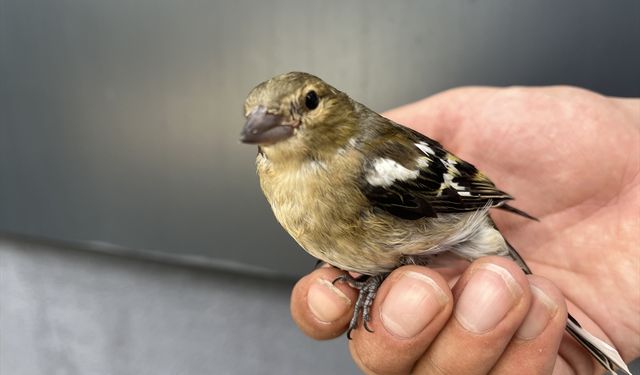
x: 368, y: 287
x: 366, y: 326
x: 354, y: 282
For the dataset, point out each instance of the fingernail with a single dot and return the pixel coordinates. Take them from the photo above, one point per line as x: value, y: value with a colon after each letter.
x: 540, y: 313
x: 413, y: 301
x: 326, y: 302
x: 488, y: 296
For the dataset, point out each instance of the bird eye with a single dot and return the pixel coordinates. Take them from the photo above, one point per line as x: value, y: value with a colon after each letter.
x: 311, y: 100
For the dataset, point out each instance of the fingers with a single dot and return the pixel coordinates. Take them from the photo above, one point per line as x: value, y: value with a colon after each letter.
x: 502, y: 322
x: 321, y: 309
x: 492, y: 299
x: 412, y: 306
x: 536, y: 342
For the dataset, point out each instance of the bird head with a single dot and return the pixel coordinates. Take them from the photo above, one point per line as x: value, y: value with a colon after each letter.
x: 297, y: 114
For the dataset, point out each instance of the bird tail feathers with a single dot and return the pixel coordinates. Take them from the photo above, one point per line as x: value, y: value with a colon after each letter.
x: 516, y: 211
x: 606, y: 355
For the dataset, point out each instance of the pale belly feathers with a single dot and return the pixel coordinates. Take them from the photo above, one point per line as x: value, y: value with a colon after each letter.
x: 329, y: 217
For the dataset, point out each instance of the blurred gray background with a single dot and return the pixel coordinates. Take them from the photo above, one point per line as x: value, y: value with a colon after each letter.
x: 119, y: 123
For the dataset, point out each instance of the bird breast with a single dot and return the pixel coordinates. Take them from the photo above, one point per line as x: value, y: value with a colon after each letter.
x: 309, y: 198
x: 320, y: 206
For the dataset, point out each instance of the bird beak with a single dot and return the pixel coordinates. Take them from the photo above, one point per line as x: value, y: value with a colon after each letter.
x: 265, y: 128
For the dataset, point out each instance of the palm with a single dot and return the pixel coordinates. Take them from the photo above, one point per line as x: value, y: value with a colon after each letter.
x: 571, y: 166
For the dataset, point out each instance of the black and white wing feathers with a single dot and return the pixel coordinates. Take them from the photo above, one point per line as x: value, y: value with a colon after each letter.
x: 412, y: 176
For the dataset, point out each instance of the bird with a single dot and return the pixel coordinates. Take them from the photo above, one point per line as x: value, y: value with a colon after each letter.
x: 367, y: 195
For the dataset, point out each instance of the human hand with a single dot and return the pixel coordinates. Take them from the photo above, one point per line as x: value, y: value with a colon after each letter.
x: 571, y: 158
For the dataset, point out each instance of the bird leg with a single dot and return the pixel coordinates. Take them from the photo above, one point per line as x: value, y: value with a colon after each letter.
x: 368, y: 287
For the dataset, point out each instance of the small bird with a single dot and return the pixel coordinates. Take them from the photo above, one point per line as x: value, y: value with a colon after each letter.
x: 367, y: 195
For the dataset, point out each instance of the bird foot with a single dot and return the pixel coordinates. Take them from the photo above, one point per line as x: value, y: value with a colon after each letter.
x: 368, y: 287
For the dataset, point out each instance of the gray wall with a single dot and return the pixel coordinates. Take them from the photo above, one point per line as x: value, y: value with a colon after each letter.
x: 118, y: 132
x: 119, y: 119
x: 65, y: 311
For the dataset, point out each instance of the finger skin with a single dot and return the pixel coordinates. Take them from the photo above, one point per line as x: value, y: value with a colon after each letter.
x: 537, y: 355
x: 458, y: 350
x: 383, y: 352
x: 305, y: 318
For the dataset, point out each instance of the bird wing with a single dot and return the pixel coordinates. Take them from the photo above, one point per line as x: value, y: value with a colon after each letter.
x: 412, y: 176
